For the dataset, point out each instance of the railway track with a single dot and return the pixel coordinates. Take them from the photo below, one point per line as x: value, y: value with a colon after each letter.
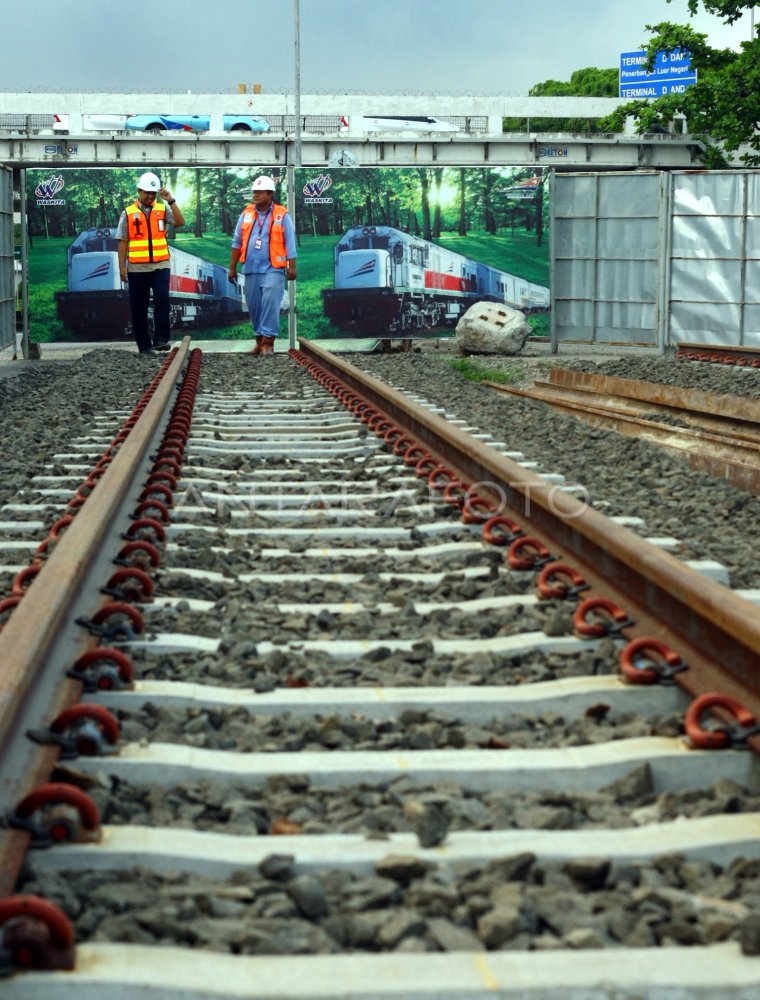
x: 725, y: 354
x: 719, y: 433
x: 375, y: 709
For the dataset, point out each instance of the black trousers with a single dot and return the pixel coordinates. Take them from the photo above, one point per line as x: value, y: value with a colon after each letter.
x: 141, y: 283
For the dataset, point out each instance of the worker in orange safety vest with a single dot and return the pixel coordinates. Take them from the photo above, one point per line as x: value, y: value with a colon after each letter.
x: 145, y: 259
x: 264, y: 243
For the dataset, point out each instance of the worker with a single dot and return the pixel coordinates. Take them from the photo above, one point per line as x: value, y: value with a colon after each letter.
x: 144, y: 259
x: 264, y: 242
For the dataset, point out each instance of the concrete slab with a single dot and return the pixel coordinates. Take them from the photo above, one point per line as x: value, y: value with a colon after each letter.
x: 73, y: 351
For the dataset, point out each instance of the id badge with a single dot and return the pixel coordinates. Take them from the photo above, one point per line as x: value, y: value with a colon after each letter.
x: 257, y: 244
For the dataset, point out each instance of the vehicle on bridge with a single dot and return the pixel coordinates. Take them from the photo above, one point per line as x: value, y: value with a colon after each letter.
x: 387, y: 281
x: 162, y: 123
x: 97, y: 302
x: 397, y: 123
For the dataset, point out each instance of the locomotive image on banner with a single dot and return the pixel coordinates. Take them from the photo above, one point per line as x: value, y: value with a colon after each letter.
x: 387, y: 281
x: 382, y: 252
x: 404, y: 252
x: 97, y: 302
x: 75, y: 289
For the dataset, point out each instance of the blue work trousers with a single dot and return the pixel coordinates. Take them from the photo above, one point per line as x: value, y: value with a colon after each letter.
x: 140, y: 285
x: 263, y: 295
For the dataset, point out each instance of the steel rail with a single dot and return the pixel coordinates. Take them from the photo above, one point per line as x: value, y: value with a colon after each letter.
x: 696, y: 401
x: 727, y: 431
x: 716, y: 632
x: 28, y: 639
x: 737, y: 460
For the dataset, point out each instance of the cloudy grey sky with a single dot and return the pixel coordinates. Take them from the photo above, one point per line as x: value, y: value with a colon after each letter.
x: 449, y: 46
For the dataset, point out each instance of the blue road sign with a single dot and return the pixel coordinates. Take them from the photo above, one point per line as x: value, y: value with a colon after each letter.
x: 672, y: 74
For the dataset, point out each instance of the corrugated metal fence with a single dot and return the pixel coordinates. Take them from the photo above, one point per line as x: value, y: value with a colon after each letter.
x: 656, y: 258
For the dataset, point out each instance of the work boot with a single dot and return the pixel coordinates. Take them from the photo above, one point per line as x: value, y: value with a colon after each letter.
x: 257, y: 349
x: 267, y: 346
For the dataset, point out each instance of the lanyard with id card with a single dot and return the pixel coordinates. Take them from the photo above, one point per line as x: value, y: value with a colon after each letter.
x: 261, y: 220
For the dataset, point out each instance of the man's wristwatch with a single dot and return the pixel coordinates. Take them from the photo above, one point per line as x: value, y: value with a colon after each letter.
x: 171, y: 201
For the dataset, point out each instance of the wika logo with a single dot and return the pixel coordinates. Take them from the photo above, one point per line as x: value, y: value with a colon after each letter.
x: 50, y: 187
x: 314, y: 190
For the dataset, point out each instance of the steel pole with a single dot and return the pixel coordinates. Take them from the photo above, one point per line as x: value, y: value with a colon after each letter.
x: 24, y: 268
x: 297, y: 11
x: 291, y: 172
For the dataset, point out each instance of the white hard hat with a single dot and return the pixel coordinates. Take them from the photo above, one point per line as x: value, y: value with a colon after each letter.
x: 149, y: 182
x: 263, y: 183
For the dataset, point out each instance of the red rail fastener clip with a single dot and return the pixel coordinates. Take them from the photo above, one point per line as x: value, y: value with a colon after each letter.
x: 610, y: 618
x: 455, y: 492
x: 724, y: 736
x: 130, y: 584
x: 24, y: 578
x: 108, y: 622
x: 492, y: 534
x: 55, y: 812
x: 146, y: 526
x: 527, y: 552
x: 477, y: 510
x: 424, y: 467
x: 648, y: 661
x: 138, y: 553
x: 7, y: 604
x: 60, y: 524
x: 414, y: 454
x: 103, y: 669
x: 440, y: 477
x: 81, y: 730
x: 559, y: 580
x: 34, y: 934
x: 402, y: 444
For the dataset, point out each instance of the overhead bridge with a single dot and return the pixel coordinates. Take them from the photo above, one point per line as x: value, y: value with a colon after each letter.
x: 556, y: 150
x: 331, y: 133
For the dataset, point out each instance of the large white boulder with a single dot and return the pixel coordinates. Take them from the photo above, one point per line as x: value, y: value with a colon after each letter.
x: 492, y: 328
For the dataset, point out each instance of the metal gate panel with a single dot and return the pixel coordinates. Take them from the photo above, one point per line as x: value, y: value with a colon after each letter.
x: 708, y: 193
x: 752, y: 238
x: 574, y: 199
x: 706, y: 237
x: 689, y: 323
x: 627, y: 196
x: 656, y: 258
x: 637, y: 277
x: 7, y: 278
x: 714, y: 292
x: 607, y: 238
x: 635, y: 239
x: 709, y: 282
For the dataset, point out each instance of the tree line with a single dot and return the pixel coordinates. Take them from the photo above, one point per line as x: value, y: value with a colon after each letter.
x: 425, y: 201
x: 722, y: 107
x: 413, y: 199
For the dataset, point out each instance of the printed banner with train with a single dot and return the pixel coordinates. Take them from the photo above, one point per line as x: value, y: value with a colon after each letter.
x: 382, y: 253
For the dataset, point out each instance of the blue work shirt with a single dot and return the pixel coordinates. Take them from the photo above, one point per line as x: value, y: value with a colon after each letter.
x: 257, y: 261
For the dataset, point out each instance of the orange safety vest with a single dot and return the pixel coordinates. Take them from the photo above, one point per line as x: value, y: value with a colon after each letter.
x: 147, y: 241
x: 277, y: 254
